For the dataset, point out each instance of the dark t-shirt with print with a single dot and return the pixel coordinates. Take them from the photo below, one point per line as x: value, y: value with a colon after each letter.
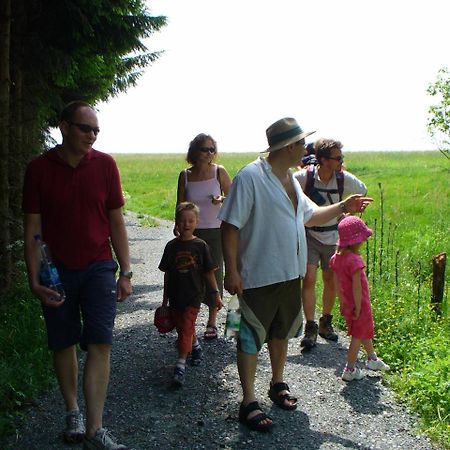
x: 186, y: 262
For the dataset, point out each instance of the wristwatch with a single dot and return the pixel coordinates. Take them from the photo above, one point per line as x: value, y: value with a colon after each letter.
x: 127, y: 274
x: 343, y: 207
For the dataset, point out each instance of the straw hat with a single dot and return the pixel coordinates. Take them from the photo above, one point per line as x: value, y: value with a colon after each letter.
x: 352, y: 230
x: 284, y: 132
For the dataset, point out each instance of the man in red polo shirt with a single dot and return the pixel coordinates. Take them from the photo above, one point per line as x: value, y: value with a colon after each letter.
x: 73, y: 198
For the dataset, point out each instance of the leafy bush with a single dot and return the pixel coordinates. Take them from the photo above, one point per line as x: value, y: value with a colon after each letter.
x: 25, y: 362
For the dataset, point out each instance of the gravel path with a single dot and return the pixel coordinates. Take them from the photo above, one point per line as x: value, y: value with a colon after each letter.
x: 146, y: 413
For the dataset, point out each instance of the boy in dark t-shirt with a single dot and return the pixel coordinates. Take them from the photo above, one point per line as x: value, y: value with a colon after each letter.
x: 186, y: 264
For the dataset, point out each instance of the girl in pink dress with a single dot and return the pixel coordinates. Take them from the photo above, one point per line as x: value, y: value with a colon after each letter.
x: 353, y: 291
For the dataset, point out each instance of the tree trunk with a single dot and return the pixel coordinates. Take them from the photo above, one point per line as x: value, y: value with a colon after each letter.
x: 16, y: 164
x: 5, y: 44
x: 438, y: 282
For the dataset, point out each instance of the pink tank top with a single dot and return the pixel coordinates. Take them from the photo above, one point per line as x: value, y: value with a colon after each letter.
x: 199, y: 192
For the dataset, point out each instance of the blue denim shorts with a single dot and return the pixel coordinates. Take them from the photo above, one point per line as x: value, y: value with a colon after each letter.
x: 88, y: 313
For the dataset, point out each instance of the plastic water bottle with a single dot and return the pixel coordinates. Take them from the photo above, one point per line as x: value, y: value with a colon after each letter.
x: 233, y: 318
x: 48, y: 273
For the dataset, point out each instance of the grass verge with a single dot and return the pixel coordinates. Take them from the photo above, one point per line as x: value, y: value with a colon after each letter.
x: 25, y: 362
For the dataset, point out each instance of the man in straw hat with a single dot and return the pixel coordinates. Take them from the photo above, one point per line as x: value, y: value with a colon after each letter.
x: 264, y: 246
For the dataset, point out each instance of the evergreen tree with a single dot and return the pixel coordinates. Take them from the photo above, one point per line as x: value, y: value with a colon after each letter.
x: 53, y: 52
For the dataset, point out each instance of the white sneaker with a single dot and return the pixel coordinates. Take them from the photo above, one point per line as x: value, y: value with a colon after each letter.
x: 377, y: 364
x: 74, y: 431
x: 350, y: 375
x: 102, y: 441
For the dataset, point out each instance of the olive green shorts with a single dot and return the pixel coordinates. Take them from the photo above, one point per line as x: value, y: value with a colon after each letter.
x: 270, y: 312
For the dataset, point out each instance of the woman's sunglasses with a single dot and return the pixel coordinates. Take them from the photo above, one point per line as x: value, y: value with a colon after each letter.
x: 207, y: 149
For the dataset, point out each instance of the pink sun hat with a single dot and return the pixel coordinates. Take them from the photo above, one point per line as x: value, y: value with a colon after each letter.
x: 352, y: 230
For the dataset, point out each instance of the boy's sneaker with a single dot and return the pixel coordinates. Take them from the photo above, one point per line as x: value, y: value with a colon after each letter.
x: 102, y: 440
x: 196, y: 356
x: 74, y: 431
x: 350, y: 375
x: 179, y: 375
x: 377, y: 364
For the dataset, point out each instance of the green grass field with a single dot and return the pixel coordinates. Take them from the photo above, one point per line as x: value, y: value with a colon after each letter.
x: 411, y: 217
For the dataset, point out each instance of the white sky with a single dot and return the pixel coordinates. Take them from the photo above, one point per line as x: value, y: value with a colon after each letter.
x: 353, y: 70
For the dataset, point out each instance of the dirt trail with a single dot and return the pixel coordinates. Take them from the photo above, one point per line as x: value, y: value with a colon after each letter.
x: 145, y: 413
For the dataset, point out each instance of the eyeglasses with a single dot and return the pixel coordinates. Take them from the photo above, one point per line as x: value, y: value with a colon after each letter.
x: 336, y: 158
x: 207, y: 149
x: 86, y: 128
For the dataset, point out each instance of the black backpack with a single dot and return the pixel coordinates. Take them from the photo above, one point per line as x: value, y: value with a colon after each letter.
x: 314, y: 193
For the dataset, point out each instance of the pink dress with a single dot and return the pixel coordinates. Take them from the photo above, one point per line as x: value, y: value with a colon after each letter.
x: 344, y: 266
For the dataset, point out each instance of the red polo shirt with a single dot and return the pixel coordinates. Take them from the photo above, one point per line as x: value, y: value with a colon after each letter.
x: 73, y: 204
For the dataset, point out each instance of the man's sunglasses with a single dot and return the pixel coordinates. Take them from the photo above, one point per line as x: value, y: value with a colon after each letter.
x: 86, y: 128
x: 336, y: 158
x: 207, y: 149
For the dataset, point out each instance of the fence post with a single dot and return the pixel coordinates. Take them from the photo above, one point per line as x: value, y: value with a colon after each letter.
x: 437, y: 293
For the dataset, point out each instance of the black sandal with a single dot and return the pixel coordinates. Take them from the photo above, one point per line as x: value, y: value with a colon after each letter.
x: 210, y: 333
x: 255, y: 422
x: 281, y: 399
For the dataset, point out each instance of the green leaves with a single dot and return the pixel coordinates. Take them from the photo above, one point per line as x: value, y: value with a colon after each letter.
x: 439, y: 120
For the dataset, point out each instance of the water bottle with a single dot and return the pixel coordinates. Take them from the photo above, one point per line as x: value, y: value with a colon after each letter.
x: 48, y: 274
x: 233, y: 318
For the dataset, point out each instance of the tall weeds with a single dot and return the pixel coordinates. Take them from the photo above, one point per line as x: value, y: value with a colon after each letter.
x: 408, y: 335
x: 25, y: 362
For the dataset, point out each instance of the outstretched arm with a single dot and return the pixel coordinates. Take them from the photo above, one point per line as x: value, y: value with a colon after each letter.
x: 353, y: 204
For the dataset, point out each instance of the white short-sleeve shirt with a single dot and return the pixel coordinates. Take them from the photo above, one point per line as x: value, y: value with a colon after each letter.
x: 272, y: 241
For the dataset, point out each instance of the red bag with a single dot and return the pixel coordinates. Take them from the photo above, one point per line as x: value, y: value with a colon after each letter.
x: 163, y: 319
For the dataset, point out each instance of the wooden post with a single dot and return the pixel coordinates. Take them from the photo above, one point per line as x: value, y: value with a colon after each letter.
x: 437, y: 293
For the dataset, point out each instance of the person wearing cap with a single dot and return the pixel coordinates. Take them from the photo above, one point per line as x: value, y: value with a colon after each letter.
x: 264, y: 246
x: 310, y: 156
x: 327, y: 177
x: 353, y: 288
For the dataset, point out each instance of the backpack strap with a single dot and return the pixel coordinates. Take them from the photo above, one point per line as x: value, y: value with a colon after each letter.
x: 323, y: 229
x: 309, y: 185
x: 185, y: 178
x: 218, y: 178
x: 340, y: 183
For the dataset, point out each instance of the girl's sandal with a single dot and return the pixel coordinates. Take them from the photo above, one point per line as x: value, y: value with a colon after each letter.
x: 255, y: 423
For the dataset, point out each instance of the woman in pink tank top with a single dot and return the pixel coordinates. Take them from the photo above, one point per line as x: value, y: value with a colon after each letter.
x: 205, y: 184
